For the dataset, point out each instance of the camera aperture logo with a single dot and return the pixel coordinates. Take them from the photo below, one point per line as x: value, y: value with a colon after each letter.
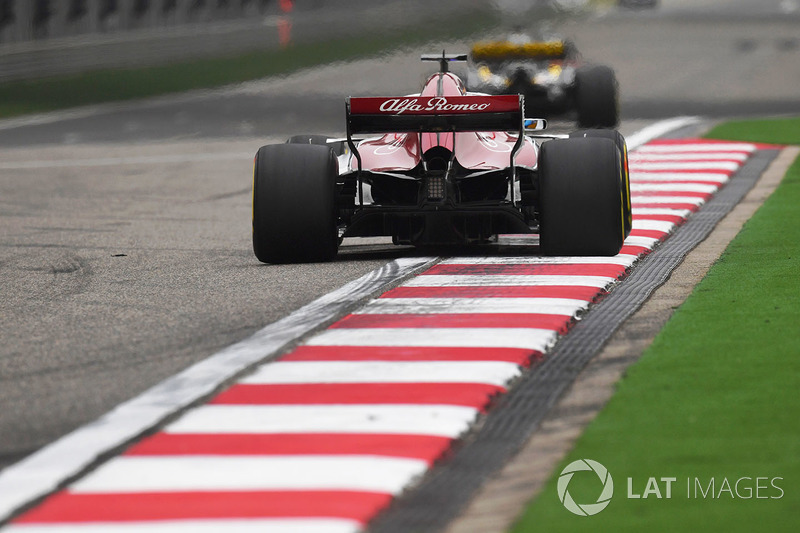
x: 585, y: 509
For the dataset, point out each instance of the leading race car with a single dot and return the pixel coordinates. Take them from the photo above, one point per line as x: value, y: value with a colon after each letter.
x: 448, y: 167
x: 550, y: 74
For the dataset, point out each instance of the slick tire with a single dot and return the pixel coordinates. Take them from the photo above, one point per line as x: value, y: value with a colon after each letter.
x: 294, y: 204
x: 625, y: 180
x: 580, y: 210
x: 596, y: 97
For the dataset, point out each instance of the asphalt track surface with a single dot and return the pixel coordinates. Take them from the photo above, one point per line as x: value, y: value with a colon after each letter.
x: 124, y: 246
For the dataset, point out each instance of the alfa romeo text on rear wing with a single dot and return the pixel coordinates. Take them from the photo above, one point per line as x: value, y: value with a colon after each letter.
x: 434, y: 114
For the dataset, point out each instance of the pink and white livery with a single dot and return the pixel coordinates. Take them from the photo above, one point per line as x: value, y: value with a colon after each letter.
x: 448, y: 168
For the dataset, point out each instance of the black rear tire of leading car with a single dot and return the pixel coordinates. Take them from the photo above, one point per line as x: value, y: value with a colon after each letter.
x: 625, y: 182
x: 580, y: 202
x: 294, y: 204
x: 596, y: 97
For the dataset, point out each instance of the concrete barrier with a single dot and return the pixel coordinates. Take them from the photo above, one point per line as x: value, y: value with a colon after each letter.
x: 25, y: 20
x: 41, y: 38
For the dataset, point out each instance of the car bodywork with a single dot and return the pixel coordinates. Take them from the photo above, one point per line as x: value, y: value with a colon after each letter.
x: 442, y: 172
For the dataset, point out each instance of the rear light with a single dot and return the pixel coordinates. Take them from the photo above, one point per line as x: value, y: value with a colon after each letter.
x: 435, y: 187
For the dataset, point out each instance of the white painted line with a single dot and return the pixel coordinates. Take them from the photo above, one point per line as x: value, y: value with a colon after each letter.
x: 647, y: 242
x: 56, y: 116
x: 296, y: 372
x: 660, y: 157
x: 529, y: 338
x: 41, y: 472
x: 644, y: 212
x: 694, y: 165
x: 697, y: 147
x: 676, y: 187
x: 621, y: 259
x: 645, y: 199
x: 658, y: 129
x: 679, y: 176
x: 244, y: 525
x: 241, y: 473
x: 659, y: 225
x: 437, y: 420
x: 506, y: 281
x: 554, y: 306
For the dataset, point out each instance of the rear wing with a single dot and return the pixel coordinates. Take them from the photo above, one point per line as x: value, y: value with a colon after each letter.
x: 418, y: 114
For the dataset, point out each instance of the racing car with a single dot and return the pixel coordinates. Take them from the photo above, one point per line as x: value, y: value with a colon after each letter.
x: 441, y: 167
x: 551, y: 76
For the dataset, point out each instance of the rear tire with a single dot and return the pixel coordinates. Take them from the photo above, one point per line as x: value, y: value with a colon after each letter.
x: 580, y: 202
x: 596, y: 97
x: 625, y: 181
x: 294, y: 204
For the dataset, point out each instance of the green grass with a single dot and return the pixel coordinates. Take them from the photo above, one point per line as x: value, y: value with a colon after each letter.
x: 717, y: 395
x: 54, y: 93
x: 775, y: 130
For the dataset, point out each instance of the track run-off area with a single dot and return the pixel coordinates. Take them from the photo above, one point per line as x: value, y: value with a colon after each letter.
x: 382, y: 378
